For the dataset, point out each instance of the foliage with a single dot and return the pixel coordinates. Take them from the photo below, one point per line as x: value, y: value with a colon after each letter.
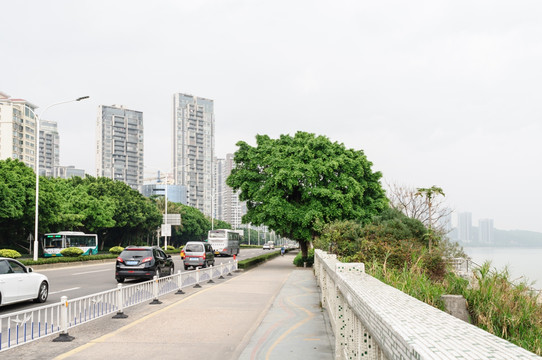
x: 295, y: 184
x: 505, y: 309
x: 71, y: 252
x: 116, y: 250
x: 8, y: 253
x: 62, y: 259
x: 301, y: 260
x: 248, y: 263
x: 169, y: 248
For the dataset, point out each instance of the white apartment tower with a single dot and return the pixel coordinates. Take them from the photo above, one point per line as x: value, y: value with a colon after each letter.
x: 49, y: 148
x: 228, y: 207
x: 17, y: 130
x: 119, y: 150
x: 464, y: 227
x: 193, y: 147
x: 486, y: 231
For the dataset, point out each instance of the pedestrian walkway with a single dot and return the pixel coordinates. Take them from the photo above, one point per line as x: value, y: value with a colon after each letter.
x: 270, y: 312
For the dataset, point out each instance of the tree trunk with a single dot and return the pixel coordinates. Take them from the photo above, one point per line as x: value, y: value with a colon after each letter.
x: 304, y: 248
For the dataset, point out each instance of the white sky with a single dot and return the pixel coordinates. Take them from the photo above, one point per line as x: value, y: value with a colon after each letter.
x: 443, y: 93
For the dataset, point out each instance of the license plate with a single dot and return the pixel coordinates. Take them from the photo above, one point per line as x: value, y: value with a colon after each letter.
x: 131, y: 262
x: 194, y: 259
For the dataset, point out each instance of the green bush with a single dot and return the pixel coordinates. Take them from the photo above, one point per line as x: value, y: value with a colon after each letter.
x: 116, y: 250
x: 169, y: 248
x: 71, y: 252
x: 9, y: 253
x: 248, y: 263
x: 299, y: 260
x: 62, y: 259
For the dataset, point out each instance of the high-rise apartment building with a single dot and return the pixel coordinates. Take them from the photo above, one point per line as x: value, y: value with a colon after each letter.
x: 486, y: 231
x: 17, y: 130
x: 228, y: 207
x: 464, y: 227
x: 193, y: 147
x: 119, y: 150
x: 49, y: 147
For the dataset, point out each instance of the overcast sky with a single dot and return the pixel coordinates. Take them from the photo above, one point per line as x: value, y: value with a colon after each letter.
x: 444, y: 93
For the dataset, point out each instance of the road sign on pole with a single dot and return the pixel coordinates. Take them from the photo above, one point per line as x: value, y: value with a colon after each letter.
x: 166, y: 229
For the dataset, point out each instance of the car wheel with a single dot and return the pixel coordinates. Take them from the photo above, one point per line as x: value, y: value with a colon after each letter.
x: 186, y: 267
x: 43, y: 292
x: 120, y: 280
x: 204, y: 264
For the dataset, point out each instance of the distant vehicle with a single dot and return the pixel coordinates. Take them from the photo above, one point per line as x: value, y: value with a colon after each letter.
x: 198, y: 254
x: 224, y: 241
x: 53, y: 243
x: 20, y: 283
x: 143, y: 262
x: 269, y: 246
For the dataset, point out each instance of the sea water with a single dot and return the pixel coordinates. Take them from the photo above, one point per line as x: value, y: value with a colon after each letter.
x: 523, y: 263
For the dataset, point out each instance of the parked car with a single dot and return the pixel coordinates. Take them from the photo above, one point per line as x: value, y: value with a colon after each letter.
x: 20, y: 283
x: 143, y: 262
x: 269, y: 246
x: 197, y: 253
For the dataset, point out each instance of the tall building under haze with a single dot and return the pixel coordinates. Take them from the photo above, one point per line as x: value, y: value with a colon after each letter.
x: 486, y: 231
x: 119, y: 149
x: 17, y: 130
x: 193, y: 149
x: 464, y: 227
x: 49, y: 147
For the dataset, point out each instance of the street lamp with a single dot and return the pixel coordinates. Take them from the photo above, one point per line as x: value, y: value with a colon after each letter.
x: 36, y: 168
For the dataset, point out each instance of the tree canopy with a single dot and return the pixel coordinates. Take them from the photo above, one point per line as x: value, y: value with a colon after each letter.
x: 295, y: 184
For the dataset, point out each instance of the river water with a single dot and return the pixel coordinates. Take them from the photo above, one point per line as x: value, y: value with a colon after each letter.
x: 526, y: 262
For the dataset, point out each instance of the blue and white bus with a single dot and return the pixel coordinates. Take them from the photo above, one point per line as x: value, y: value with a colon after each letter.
x: 53, y: 243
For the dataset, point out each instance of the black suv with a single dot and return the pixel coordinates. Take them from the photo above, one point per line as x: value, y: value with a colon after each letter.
x: 142, y: 262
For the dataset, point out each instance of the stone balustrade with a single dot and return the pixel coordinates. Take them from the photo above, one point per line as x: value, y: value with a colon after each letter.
x: 372, y: 320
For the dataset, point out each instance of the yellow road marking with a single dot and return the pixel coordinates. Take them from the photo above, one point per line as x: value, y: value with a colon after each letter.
x: 310, y: 315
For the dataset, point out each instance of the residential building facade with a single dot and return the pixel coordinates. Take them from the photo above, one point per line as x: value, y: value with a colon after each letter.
x: 486, y: 231
x: 193, y: 129
x: 464, y: 227
x: 228, y: 206
x: 119, y: 149
x: 17, y: 130
x: 49, y: 148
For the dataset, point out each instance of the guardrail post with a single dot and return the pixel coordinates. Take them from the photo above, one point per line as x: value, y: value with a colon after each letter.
x: 155, y: 301
x: 197, y: 279
x: 63, y: 336
x: 229, y: 269
x: 221, y: 271
x: 211, y: 276
x: 120, y: 301
x: 179, y: 284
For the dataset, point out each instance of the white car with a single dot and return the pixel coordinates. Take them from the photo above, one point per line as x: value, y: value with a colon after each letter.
x: 268, y: 246
x: 20, y: 283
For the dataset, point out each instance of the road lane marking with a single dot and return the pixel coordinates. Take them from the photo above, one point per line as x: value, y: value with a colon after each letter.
x: 65, y: 290
x: 90, y: 272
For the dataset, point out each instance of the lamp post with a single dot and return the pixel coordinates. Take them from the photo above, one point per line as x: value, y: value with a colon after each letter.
x: 37, y: 166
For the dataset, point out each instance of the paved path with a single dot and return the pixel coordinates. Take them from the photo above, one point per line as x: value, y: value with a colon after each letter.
x: 269, y: 312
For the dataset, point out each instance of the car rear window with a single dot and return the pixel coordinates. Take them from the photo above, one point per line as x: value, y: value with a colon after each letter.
x: 193, y: 248
x: 136, y: 253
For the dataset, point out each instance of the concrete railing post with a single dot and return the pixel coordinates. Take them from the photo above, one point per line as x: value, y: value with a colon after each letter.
x: 179, y: 283
x: 197, y: 279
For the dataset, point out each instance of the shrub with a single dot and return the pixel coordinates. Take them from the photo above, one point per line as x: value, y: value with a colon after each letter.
x: 248, y: 263
x: 71, y: 252
x: 116, y: 250
x: 9, y: 253
x: 299, y: 260
x: 169, y: 248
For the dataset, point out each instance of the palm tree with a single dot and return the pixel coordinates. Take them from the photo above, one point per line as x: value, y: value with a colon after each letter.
x: 429, y: 193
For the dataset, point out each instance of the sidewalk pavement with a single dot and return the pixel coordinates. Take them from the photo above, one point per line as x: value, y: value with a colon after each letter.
x: 269, y: 312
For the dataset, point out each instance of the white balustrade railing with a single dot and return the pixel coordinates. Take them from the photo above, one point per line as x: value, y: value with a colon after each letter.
x: 24, y: 326
x: 376, y: 321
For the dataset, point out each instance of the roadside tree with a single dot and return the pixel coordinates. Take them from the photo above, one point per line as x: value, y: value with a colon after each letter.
x: 296, y: 184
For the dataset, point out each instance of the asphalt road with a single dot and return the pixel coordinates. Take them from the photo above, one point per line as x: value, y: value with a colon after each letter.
x: 81, y: 280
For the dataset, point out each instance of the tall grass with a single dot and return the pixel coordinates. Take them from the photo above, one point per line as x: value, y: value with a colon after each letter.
x: 495, y: 304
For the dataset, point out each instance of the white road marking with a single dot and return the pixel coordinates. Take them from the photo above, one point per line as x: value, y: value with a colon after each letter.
x: 90, y: 272
x: 65, y: 290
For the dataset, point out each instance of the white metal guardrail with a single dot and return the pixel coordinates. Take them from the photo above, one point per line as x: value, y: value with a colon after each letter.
x: 24, y: 326
x: 376, y: 321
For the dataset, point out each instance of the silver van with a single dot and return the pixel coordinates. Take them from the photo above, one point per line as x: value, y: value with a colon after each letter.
x: 198, y: 253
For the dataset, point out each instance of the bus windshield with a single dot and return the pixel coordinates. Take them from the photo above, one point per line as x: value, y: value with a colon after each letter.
x: 217, y: 234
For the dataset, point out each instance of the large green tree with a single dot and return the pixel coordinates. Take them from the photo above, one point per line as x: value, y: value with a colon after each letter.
x: 295, y: 184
